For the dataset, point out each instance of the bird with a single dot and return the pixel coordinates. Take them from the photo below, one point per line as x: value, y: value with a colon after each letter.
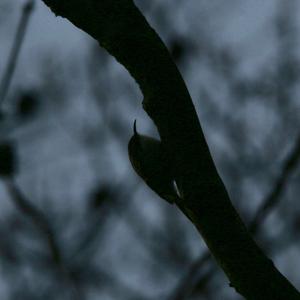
x: 150, y: 161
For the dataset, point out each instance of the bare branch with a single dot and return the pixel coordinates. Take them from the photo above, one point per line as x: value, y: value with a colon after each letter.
x: 266, y: 207
x: 16, y: 47
x: 123, y: 31
x: 273, y: 198
x: 41, y: 222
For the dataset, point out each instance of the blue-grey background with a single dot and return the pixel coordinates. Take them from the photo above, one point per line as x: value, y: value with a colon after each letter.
x: 240, y: 61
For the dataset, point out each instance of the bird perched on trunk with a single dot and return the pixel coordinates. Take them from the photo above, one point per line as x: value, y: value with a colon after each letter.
x: 150, y: 162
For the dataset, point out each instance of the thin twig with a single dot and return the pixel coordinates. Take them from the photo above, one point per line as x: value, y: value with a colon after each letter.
x: 37, y: 217
x: 273, y: 197
x: 16, y: 47
x: 40, y: 220
x: 184, y: 285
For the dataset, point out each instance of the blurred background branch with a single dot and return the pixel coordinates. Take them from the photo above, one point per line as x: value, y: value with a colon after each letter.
x: 115, y: 239
x: 15, y: 50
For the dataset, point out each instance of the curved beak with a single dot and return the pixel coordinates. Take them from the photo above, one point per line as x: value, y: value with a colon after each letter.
x: 134, y: 128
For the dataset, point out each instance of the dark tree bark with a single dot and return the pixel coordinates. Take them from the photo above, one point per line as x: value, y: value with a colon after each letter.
x: 122, y: 30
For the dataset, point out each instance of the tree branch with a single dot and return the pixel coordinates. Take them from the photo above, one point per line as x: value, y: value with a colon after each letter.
x: 265, y: 208
x: 37, y: 217
x: 40, y: 220
x: 123, y: 31
x: 12, y: 61
x: 273, y: 197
